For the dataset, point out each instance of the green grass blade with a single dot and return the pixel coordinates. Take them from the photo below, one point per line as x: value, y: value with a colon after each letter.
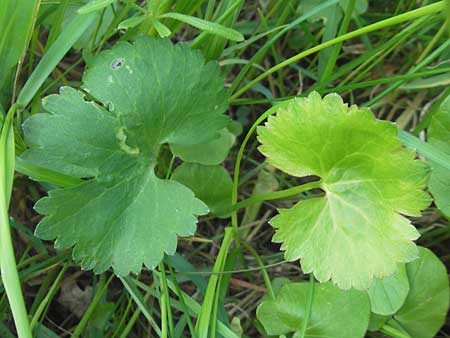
x: 207, y: 26
x: 140, y: 302
x: 425, y: 149
x: 16, y: 21
x: 9, y: 272
x: 102, y: 287
x: 442, y: 48
x: 51, y: 293
x: 53, y: 56
x: 204, y: 319
x: 274, y: 39
x: 417, y: 13
x: 45, y: 175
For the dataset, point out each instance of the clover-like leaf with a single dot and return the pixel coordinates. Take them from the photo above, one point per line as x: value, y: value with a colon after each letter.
x: 439, y: 136
x: 357, y: 231
x: 426, y: 306
x: 150, y: 92
x: 334, y: 313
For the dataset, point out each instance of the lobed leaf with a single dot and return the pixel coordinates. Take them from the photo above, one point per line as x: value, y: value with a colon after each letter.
x: 358, y: 230
x: 146, y: 94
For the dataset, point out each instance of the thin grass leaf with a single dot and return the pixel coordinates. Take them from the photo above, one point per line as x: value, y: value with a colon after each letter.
x: 53, y: 56
x: 207, y: 26
x: 9, y: 272
x: 140, y: 302
x: 425, y: 149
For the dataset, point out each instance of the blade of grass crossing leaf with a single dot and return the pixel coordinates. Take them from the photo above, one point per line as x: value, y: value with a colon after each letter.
x: 9, y: 274
x: 207, y: 26
x: 45, y: 175
x: 425, y: 149
x: 420, y: 12
x: 425, y: 121
x: 53, y: 56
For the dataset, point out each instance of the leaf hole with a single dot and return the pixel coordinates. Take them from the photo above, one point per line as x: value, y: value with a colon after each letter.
x: 117, y: 63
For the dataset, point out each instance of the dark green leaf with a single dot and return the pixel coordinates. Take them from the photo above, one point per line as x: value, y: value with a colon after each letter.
x: 123, y: 215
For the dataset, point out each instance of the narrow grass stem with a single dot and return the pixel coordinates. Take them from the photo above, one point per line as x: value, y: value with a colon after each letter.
x: 420, y: 12
x: 102, y: 287
x: 263, y: 270
x: 51, y: 293
x: 425, y: 149
x: 9, y: 274
x: 277, y: 195
x: 237, y: 165
x: 181, y: 299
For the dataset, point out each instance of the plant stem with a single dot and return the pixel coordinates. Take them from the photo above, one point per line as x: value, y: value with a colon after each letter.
x: 426, y: 10
x: 263, y: 270
x: 9, y: 272
x: 277, y: 195
x: 237, y: 165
